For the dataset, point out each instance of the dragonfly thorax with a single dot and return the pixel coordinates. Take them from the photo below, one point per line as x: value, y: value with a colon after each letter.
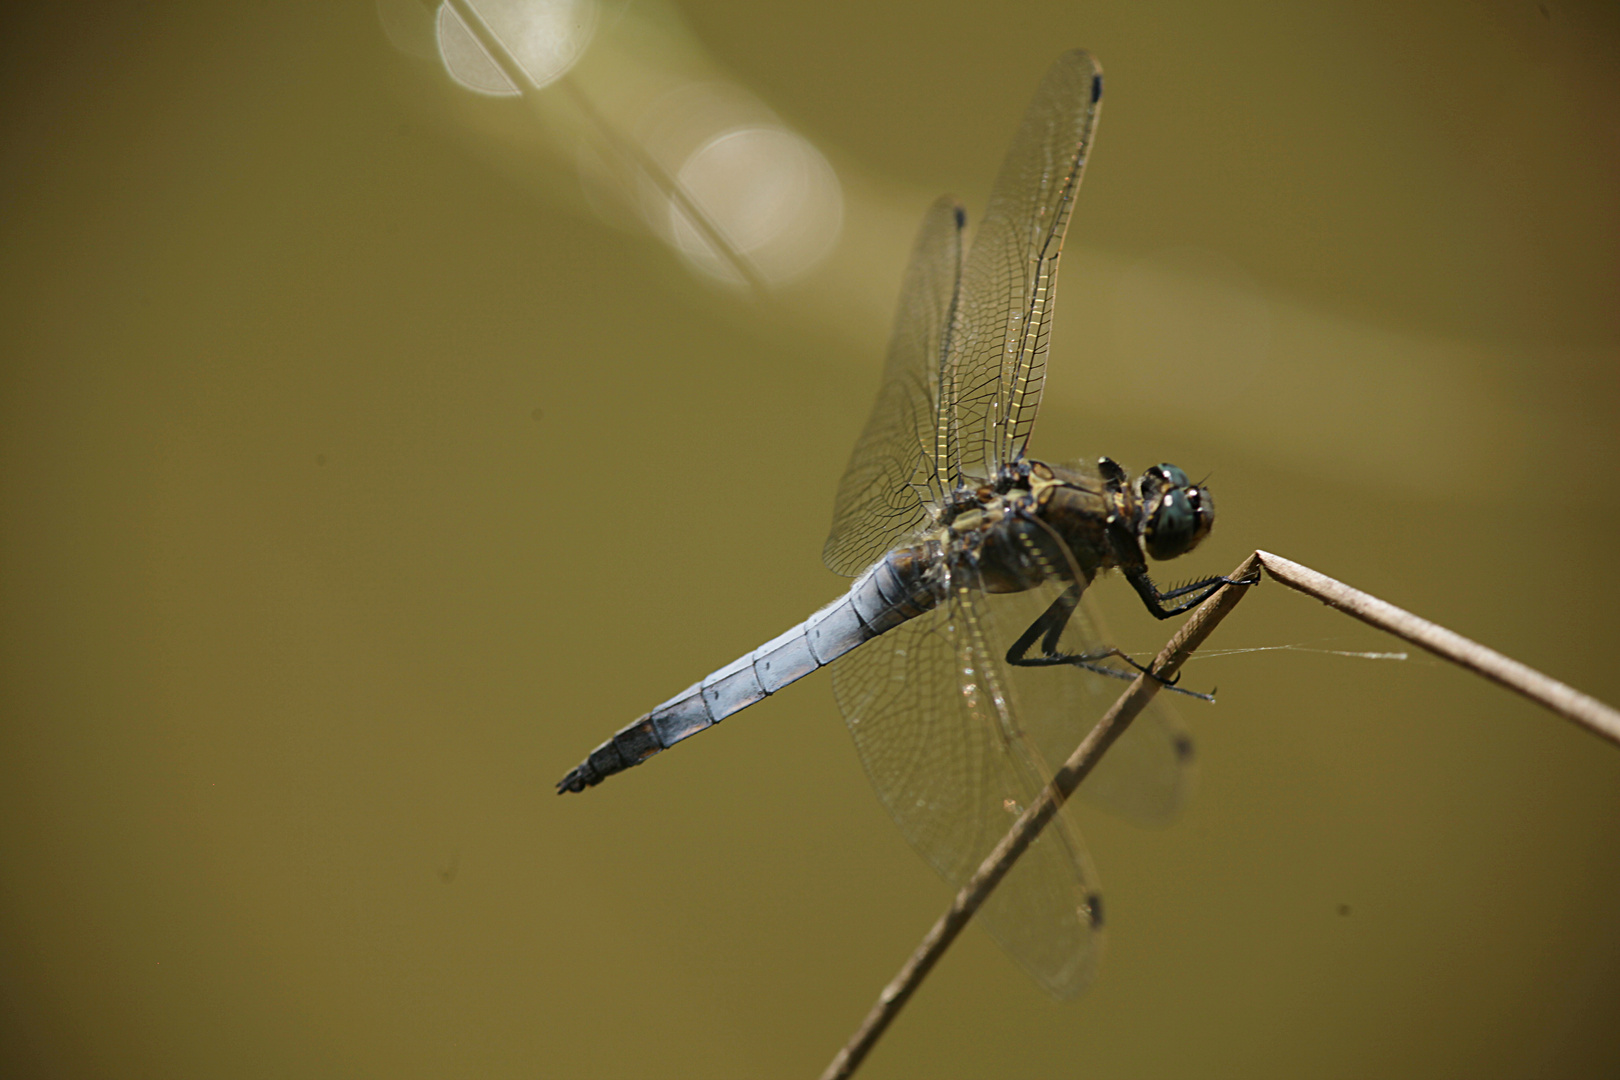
x: 1031, y: 524
x: 1038, y: 522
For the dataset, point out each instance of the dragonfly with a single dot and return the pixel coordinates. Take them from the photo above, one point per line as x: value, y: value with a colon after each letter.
x: 965, y: 656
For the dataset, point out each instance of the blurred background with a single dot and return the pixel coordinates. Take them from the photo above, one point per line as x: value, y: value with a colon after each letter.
x: 398, y: 399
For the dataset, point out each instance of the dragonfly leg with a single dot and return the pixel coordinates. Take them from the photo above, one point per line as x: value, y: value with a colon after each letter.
x: 1048, y: 628
x: 1194, y: 593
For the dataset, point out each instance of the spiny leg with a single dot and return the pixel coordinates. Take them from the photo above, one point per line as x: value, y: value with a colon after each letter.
x: 1196, y: 592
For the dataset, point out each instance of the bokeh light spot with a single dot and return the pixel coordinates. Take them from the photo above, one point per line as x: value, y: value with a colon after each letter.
x: 544, y: 38
x: 771, y: 194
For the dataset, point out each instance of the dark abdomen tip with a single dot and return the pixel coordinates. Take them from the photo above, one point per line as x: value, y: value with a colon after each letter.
x: 631, y: 746
x: 577, y: 780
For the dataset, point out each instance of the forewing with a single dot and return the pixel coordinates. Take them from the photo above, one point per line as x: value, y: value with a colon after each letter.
x: 996, y: 368
x: 896, y: 468
x: 935, y: 721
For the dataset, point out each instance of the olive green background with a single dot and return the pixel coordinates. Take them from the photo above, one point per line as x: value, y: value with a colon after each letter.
x: 357, y: 479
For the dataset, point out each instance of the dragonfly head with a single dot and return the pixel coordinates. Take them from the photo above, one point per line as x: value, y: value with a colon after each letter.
x: 1175, y: 513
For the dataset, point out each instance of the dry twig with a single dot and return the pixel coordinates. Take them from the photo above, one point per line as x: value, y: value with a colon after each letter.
x: 1562, y: 699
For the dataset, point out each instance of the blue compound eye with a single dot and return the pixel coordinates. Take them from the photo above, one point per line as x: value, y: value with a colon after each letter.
x: 1172, y: 476
x: 1181, y: 518
x: 1161, y: 477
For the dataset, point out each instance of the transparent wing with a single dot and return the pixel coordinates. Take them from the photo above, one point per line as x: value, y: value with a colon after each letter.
x: 935, y: 720
x: 967, y: 358
x: 1149, y: 774
x: 927, y: 748
x: 1047, y: 914
x: 896, y: 470
x: 957, y: 742
x: 996, y: 366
